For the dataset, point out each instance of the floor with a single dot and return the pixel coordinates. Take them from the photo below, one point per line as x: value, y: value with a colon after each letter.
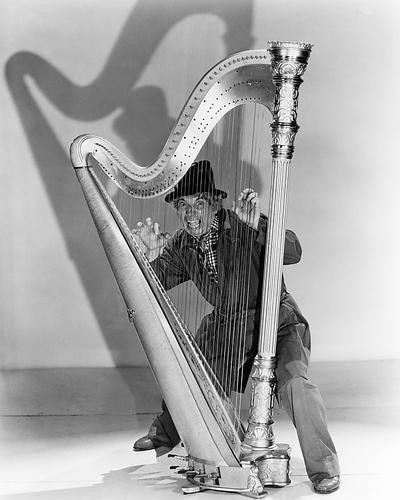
x: 67, y: 434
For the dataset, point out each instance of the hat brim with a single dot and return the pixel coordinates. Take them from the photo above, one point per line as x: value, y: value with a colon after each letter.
x: 174, y: 195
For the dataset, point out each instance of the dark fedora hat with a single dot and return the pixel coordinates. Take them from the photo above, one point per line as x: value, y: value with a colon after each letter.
x: 198, y: 179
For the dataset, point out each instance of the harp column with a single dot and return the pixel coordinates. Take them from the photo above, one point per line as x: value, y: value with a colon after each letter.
x: 289, y: 62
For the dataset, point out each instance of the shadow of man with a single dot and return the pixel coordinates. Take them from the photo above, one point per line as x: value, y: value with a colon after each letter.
x: 111, y: 90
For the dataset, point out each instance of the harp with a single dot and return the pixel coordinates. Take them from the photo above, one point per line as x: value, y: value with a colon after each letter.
x: 221, y: 453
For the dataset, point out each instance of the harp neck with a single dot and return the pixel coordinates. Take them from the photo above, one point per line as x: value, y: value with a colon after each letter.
x: 242, y: 78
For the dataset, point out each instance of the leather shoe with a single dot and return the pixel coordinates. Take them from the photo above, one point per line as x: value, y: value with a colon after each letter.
x: 326, y: 484
x: 145, y: 443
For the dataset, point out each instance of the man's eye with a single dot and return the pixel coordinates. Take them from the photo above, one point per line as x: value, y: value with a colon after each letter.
x: 200, y: 204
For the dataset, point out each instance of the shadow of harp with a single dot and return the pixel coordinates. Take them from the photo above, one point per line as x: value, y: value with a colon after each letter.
x: 221, y: 454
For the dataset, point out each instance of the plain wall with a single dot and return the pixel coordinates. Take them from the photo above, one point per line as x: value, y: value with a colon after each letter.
x: 123, y: 70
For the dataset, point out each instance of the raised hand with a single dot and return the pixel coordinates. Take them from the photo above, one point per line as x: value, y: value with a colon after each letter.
x: 248, y: 207
x: 151, y: 240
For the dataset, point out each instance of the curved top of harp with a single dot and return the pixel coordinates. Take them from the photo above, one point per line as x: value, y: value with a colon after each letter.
x: 241, y: 78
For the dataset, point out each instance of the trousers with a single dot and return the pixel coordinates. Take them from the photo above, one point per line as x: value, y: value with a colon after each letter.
x: 295, y: 393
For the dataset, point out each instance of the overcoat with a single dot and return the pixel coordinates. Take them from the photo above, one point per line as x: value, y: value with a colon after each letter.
x: 228, y: 336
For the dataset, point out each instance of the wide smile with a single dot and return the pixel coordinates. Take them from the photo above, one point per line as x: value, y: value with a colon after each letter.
x: 193, y: 224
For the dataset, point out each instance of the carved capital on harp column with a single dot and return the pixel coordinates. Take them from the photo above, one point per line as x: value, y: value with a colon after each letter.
x: 289, y: 62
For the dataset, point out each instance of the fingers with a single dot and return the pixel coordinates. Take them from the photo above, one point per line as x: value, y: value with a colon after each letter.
x: 150, y: 235
x: 235, y: 209
x: 248, y: 195
x: 245, y: 193
x: 248, y: 200
x: 149, y: 226
x: 139, y: 241
x: 252, y: 201
x: 247, y: 208
x: 139, y: 226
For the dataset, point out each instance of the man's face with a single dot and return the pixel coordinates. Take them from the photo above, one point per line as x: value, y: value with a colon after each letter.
x: 196, y: 212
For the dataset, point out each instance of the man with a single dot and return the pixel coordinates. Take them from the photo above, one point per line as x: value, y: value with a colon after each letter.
x: 222, y: 251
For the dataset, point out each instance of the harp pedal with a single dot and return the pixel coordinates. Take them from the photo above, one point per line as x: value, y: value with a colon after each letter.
x: 201, y: 477
x: 186, y: 490
x: 179, y: 469
x: 228, y: 480
x: 179, y: 457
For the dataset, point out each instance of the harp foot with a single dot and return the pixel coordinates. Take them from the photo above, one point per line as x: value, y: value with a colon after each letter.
x: 250, y: 479
x: 196, y: 487
x: 187, y: 490
x: 273, y: 464
x: 240, y: 480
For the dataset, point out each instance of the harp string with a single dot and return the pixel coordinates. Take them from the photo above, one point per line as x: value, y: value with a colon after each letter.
x: 256, y: 118
x: 233, y: 290
x: 238, y: 292
x: 228, y: 354
x: 229, y: 145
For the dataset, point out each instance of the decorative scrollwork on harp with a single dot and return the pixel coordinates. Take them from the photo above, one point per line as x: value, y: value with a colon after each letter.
x: 243, y: 78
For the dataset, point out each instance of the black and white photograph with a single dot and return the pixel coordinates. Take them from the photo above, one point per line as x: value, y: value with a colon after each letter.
x: 199, y: 249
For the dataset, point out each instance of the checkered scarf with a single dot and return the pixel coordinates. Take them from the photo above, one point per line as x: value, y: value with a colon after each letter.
x: 208, y: 249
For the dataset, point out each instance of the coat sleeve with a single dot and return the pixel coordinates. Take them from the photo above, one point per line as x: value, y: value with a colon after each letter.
x: 169, y: 267
x: 292, y: 252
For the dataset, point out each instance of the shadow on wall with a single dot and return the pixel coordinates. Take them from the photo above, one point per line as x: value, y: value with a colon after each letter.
x: 112, y: 89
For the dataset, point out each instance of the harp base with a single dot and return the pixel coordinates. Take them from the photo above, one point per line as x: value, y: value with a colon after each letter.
x: 273, y: 464
x: 242, y: 480
x: 250, y: 479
